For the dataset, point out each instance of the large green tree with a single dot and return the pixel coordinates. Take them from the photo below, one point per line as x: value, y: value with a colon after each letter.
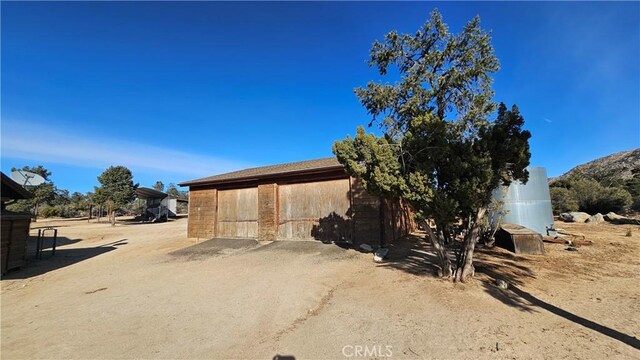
x: 439, y: 148
x: 116, y: 189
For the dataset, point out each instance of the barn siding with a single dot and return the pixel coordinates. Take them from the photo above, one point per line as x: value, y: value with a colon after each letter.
x: 366, y: 215
x: 237, y: 215
x: 314, y: 210
x: 202, y: 213
x: 325, y: 210
x: 267, y: 212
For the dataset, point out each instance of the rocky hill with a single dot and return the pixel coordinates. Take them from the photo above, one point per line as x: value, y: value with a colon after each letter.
x: 609, y: 170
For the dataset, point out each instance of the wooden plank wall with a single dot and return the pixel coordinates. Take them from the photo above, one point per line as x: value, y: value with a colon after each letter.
x: 315, y: 210
x: 398, y: 219
x: 202, y: 213
x: 366, y: 215
x: 332, y: 210
x: 267, y: 212
x: 13, y: 247
x: 237, y: 215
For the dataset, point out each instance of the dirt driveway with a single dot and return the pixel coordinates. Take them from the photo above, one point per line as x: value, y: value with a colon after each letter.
x: 144, y: 291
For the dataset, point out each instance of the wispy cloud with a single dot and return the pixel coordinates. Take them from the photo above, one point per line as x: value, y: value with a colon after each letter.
x: 39, y: 142
x: 547, y: 120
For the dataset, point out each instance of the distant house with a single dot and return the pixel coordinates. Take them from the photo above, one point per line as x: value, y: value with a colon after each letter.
x: 159, y: 205
x: 307, y: 200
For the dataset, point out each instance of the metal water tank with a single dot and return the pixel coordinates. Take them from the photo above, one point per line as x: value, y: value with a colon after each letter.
x: 528, y: 205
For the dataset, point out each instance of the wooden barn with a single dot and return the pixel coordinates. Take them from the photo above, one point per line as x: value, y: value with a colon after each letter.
x: 307, y: 200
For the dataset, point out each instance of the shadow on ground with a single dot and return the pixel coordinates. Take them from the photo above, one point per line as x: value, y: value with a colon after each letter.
x: 62, y: 258
x: 214, y: 247
x: 416, y: 256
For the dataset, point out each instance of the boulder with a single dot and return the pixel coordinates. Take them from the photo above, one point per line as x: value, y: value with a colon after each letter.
x: 574, y: 216
x: 619, y: 219
x: 595, y: 219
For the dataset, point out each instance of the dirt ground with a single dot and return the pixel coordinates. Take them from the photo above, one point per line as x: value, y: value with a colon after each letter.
x: 145, y: 291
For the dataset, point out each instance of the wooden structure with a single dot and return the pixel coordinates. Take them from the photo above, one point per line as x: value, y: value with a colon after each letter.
x: 307, y: 200
x: 14, y: 227
x: 519, y: 239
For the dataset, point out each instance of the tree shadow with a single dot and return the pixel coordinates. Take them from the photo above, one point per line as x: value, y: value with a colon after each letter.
x: 521, y: 299
x: 415, y: 255
x: 62, y: 258
x: 333, y: 228
x: 412, y: 254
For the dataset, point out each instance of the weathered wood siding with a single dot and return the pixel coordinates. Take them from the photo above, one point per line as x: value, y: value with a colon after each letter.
x: 366, y: 215
x: 237, y: 213
x: 202, y: 213
x: 398, y: 219
x: 268, y: 212
x: 15, y: 232
x: 315, y: 210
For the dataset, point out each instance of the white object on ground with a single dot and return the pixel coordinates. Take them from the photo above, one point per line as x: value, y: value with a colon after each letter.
x: 380, y: 254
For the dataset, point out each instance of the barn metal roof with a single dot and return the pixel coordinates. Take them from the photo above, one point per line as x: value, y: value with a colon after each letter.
x: 264, y: 172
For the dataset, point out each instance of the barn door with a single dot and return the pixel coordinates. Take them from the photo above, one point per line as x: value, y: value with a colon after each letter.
x: 237, y: 215
x: 314, y: 211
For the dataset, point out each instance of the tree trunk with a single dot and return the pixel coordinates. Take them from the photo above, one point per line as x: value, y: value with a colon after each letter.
x: 113, y: 217
x: 441, y: 252
x: 465, y: 267
x: 35, y: 212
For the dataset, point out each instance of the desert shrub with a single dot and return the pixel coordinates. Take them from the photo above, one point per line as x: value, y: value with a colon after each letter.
x: 49, y: 211
x: 593, y: 198
x: 612, y: 199
x: 563, y: 200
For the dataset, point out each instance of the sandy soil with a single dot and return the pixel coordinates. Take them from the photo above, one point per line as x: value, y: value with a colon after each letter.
x: 145, y: 291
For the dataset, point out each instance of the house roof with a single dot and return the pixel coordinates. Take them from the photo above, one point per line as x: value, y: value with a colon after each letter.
x: 271, y: 171
x: 12, y: 190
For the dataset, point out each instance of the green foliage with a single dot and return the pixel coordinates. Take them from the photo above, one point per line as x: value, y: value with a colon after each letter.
x: 49, y: 211
x: 172, y: 190
x: 589, y: 196
x: 116, y: 187
x: 633, y: 187
x: 563, y: 200
x: 439, y: 148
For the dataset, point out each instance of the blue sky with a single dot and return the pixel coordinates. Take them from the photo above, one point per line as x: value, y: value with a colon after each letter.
x: 177, y: 91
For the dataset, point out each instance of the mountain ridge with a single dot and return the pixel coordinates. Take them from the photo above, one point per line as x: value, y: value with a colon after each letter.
x: 609, y: 170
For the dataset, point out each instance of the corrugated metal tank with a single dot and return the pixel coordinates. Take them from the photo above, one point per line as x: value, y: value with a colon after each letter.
x: 527, y: 204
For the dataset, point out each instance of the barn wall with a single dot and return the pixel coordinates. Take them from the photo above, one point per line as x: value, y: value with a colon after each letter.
x: 327, y: 210
x: 202, y: 213
x: 237, y: 215
x: 267, y: 212
x: 366, y: 209
x: 398, y: 219
x: 314, y: 210
x: 15, y: 232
